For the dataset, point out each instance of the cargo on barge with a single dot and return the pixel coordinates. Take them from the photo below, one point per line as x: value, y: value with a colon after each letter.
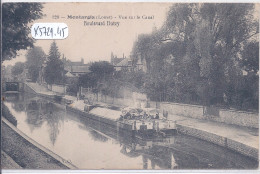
x: 141, y: 128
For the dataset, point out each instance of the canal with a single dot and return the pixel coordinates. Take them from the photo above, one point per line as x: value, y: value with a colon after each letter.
x: 92, y: 145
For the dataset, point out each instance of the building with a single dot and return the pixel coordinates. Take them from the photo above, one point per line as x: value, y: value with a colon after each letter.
x: 75, y: 68
x: 72, y: 70
x: 121, y: 63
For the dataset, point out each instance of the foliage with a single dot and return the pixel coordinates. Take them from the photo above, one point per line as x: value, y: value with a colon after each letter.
x: 54, y: 68
x: 33, y: 71
x: 144, y: 48
x: 199, y: 54
x: 18, y: 68
x: 35, y: 58
x: 88, y: 80
x: 15, y: 29
x: 72, y: 89
x: 72, y: 85
x: 101, y: 69
x: 205, y: 54
x: 250, y: 57
x: 101, y: 72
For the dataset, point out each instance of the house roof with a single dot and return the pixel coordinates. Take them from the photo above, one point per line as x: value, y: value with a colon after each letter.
x: 117, y: 60
x: 80, y: 69
x: 124, y: 62
x: 75, y: 63
x: 69, y: 62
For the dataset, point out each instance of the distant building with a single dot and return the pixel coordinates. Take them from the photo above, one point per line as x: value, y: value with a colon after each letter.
x: 75, y: 68
x: 121, y: 63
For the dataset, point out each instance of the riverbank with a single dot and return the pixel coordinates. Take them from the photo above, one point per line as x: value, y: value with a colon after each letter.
x: 27, y: 153
x: 241, y: 139
x: 7, y: 162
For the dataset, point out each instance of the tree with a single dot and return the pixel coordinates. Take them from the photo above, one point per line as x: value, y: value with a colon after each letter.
x: 15, y: 29
x: 88, y: 80
x: 250, y: 57
x: 54, y: 68
x: 102, y: 69
x: 223, y: 29
x: 211, y: 36
x: 144, y: 48
x: 247, y: 87
x: 198, y: 54
x: 35, y: 58
x: 17, y: 68
x: 99, y: 77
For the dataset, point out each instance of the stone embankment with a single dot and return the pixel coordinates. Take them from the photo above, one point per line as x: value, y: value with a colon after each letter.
x: 20, y: 151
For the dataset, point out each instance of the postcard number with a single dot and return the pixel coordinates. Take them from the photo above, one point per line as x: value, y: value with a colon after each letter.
x: 49, y: 31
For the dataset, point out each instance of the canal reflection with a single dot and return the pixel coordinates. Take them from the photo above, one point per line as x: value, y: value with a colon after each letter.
x: 89, y: 144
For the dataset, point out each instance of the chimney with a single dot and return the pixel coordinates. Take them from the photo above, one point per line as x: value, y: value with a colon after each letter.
x: 112, y: 58
x: 82, y: 61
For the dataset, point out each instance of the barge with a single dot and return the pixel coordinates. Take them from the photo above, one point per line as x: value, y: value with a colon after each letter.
x: 140, y: 128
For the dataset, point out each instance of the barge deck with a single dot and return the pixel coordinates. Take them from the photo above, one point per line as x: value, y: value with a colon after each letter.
x: 138, y: 128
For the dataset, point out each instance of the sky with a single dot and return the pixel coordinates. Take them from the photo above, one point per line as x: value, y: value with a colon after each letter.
x: 94, y: 43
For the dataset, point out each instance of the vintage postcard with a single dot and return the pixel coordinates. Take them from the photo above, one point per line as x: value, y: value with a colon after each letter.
x: 130, y: 86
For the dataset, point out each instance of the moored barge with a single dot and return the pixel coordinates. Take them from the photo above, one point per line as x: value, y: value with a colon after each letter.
x: 138, y: 127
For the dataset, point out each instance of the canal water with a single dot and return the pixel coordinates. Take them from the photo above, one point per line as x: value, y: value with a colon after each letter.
x: 92, y: 145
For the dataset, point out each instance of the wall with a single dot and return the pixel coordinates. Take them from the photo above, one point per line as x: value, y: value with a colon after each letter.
x: 193, y: 111
x: 116, y: 101
x: 240, y: 118
x: 28, y: 89
x: 129, y: 99
x: 234, y: 117
x: 57, y: 88
x: 219, y: 140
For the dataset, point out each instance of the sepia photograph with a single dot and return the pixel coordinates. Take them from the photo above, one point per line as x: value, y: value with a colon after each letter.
x: 129, y: 86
